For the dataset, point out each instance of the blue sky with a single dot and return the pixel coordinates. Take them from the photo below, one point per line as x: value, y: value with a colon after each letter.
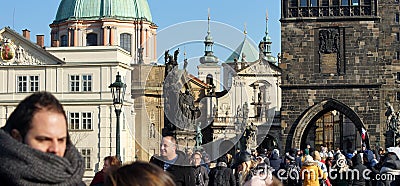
x: 37, y: 15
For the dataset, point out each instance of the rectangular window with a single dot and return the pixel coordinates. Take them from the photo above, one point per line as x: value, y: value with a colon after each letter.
x: 87, y: 83
x: 86, y: 120
x: 345, y: 2
x: 74, y: 120
x: 74, y: 83
x: 354, y: 2
x: 293, y: 3
x: 314, y: 3
x: 81, y: 83
x: 397, y: 36
x: 325, y: 2
x: 397, y: 18
x: 303, y: 3
x: 27, y: 83
x: 86, y: 158
x: 398, y: 76
x: 34, y: 83
x: 22, y: 84
x: 335, y: 2
x: 80, y: 121
x: 367, y: 2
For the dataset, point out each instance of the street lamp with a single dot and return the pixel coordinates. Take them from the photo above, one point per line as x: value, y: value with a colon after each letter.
x: 118, y: 91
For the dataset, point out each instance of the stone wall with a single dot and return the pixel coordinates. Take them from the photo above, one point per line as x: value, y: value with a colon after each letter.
x: 356, y: 65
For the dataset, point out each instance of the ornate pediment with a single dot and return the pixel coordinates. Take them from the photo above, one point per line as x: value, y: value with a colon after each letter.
x: 16, y: 50
x: 257, y: 68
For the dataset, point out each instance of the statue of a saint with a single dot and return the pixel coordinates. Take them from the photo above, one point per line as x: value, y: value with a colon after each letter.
x: 199, y: 136
x: 140, y: 55
x: 185, y: 64
x: 392, y: 118
x: 176, y: 53
x: 166, y: 55
x: 239, y: 112
x: 245, y: 110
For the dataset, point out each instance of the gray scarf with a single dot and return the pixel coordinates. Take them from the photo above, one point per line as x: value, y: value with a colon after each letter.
x: 23, y: 165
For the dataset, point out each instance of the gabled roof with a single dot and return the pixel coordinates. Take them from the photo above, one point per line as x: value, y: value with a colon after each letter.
x: 247, y: 48
x: 33, y: 53
x: 198, y: 81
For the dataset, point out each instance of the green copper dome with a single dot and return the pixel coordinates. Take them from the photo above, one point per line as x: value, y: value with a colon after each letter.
x: 98, y: 9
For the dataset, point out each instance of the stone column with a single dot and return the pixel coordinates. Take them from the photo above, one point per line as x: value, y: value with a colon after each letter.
x: 105, y: 43
x: 113, y: 29
x: 75, y: 36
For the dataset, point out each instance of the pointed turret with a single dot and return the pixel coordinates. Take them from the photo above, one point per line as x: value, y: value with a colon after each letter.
x: 208, y: 46
x: 265, y: 43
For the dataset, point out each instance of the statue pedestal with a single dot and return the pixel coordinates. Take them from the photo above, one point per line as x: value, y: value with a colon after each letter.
x: 390, y: 140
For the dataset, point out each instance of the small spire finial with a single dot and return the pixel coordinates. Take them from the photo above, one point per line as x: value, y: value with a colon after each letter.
x: 266, y: 22
x: 245, y: 30
x: 184, y: 52
x: 209, y: 21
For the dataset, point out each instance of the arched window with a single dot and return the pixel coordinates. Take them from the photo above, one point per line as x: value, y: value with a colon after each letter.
x: 125, y: 41
x: 64, y: 40
x: 91, y: 39
x: 210, y: 79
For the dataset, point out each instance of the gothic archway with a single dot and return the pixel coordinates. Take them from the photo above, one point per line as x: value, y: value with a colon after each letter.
x: 312, y: 114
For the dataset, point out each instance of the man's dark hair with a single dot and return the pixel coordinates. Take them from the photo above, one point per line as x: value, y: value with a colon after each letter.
x: 21, y: 118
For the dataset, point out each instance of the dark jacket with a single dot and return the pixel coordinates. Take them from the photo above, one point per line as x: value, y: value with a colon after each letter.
x: 182, y: 172
x: 201, y: 175
x: 361, y: 169
x: 226, y: 174
x: 98, y: 179
x: 275, y: 162
x: 391, y: 171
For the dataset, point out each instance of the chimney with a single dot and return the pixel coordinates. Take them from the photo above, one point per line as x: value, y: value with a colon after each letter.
x: 40, y: 40
x: 55, y: 43
x: 27, y: 34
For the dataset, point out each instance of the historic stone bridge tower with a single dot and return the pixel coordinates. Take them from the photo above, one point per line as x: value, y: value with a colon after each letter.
x: 340, y: 63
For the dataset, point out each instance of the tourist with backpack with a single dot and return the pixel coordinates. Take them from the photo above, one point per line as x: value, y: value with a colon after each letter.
x: 200, y: 171
x: 222, y: 175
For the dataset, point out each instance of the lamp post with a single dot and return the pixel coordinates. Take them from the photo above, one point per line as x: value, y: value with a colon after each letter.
x: 118, y: 91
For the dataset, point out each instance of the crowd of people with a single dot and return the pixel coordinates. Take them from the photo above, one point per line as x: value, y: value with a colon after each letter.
x: 36, y: 149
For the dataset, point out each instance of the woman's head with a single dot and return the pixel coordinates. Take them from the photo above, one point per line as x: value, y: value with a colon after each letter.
x: 139, y: 173
x: 110, y: 162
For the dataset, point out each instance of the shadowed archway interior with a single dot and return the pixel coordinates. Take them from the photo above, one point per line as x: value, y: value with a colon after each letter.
x: 299, y: 130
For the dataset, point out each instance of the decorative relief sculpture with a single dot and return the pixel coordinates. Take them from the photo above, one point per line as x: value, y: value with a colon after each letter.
x: 328, y: 41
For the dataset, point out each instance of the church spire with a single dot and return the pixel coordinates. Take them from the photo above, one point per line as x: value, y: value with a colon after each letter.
x: 208, y: 46
x: 265, y: 43
x: 208, y: 42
